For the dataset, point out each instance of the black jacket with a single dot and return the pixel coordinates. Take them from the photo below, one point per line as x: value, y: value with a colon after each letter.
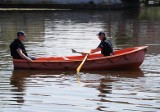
x: 14, y: 46
x: 106, y: 47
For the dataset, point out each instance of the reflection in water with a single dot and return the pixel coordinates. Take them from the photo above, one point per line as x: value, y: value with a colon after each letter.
x: 18, y: 83
x: 19, y: 80
x: 121, y: 89
x: 96, y: 90
x: 107, y: 77
x: 105, y: 86
x: 114, y: 87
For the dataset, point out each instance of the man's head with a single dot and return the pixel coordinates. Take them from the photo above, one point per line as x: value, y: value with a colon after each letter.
x: 21, y: 35
x: 101, y: 35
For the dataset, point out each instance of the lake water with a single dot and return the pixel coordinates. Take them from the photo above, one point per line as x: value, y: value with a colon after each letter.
x: 55, y: 33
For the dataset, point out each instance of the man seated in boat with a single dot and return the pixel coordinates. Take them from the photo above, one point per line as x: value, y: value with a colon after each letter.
x: 105, y: 45
x: 17, y: 48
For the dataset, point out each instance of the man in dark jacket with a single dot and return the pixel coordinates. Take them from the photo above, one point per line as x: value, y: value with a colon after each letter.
x: 105, y: 45
x: 17, y: 47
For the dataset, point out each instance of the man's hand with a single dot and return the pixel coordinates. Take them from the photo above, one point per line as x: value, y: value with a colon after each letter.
x: 29, y: 60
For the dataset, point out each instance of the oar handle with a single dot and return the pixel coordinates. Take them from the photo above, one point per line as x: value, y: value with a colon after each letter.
x: 74, y: 51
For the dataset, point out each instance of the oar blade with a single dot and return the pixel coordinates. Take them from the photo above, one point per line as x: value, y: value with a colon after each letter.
x: 74, y: 51
x: 78, y: 69
x: 80, y: 66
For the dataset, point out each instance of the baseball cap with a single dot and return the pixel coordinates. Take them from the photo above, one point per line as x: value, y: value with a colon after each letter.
x: 100, y: 33
x: 21, y: 33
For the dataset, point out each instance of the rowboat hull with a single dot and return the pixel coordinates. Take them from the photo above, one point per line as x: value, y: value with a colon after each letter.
x: 129, y: 58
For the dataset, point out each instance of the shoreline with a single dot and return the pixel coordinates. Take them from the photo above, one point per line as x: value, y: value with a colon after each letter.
x: 89, y: 6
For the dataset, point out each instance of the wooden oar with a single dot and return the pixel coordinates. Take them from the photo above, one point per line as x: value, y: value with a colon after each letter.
x: 74, y: 51
x: 85, y: 58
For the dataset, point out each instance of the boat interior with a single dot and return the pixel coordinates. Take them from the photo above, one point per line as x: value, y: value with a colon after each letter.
x: 91, y: 56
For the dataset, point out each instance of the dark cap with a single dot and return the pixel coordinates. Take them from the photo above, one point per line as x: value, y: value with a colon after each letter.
x: 21, y: 33
x: 100, y: 33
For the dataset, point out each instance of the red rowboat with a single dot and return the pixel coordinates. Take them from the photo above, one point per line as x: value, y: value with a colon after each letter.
x: 129, y: 58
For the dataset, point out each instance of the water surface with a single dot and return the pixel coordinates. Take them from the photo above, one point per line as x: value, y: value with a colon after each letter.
x: 55, y: 33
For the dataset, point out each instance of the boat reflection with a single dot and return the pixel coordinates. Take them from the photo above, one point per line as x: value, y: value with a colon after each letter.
x: 114, y: 85
x: 109, y: 84
x: 105, y: 86
x: 19, y: 78
x: 100, y: 80
x: 133, y: 73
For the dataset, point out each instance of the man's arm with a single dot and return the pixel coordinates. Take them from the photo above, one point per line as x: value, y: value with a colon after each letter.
x: 96, y: 50
x: 23, y: 55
